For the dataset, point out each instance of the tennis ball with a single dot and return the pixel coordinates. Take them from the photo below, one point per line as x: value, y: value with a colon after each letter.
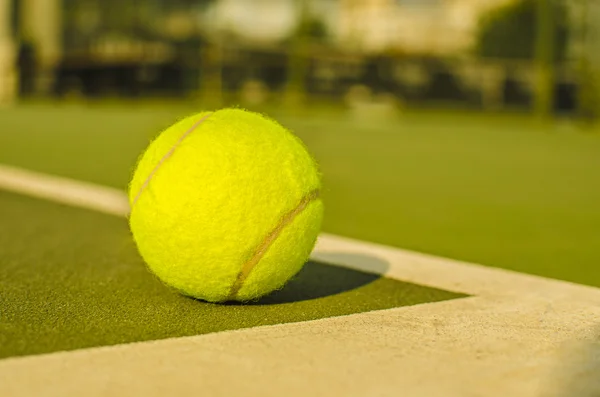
x: 225, y: 205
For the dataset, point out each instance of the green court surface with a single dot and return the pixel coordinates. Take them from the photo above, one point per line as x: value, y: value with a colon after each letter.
x: 367, y: 316
x: 72, y: 278
x: 496, y: 190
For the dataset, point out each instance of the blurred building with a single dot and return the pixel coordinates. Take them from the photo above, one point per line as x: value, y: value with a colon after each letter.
x: 258, y: 21
x: 408, y: 48
x: 410, y: 26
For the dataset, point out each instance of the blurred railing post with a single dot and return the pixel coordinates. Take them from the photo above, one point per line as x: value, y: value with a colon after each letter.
x: 8, y: 70
x: 211, y: 73
x: 588, y: 95
x: 298, y: 61
x: 544, y: 59
x: 42, y: 25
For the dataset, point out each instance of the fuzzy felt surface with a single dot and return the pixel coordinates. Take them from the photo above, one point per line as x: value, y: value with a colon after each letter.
x: 210, y: 190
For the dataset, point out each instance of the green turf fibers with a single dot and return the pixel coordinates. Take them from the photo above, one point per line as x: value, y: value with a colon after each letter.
x: 71, y: 278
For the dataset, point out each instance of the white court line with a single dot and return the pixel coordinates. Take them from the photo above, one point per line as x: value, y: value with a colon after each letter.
x: 401, y: 264
x: 64, y: 190
x: 445, y: 273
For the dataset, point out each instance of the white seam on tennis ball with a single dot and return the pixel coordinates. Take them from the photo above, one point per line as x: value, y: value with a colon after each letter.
x: 167, y: 156
x: 269, y: 239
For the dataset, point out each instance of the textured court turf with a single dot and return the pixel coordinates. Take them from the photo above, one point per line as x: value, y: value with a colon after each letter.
x: 71, y: 278
x: 485, y: 189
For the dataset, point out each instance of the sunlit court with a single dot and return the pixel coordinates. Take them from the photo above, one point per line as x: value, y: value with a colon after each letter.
x: 300, y: 197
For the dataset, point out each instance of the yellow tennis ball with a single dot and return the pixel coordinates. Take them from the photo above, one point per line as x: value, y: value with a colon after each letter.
x: 225, y: 205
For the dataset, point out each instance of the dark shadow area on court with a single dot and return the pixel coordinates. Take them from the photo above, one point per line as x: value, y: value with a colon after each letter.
x: 319, y: 280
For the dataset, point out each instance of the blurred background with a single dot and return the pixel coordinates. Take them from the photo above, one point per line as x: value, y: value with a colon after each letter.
x: 538, y: 56
x: 460, y: 128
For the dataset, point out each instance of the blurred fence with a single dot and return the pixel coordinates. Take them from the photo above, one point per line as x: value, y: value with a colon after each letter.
x: 417, y: 53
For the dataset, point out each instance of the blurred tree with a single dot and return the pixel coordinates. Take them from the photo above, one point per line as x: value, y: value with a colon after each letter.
x: 511, y: 31
x: 314, y: 29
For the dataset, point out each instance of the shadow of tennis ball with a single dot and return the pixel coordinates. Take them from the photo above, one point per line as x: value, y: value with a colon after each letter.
x: 318, y: 279
x: 578, y: 373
